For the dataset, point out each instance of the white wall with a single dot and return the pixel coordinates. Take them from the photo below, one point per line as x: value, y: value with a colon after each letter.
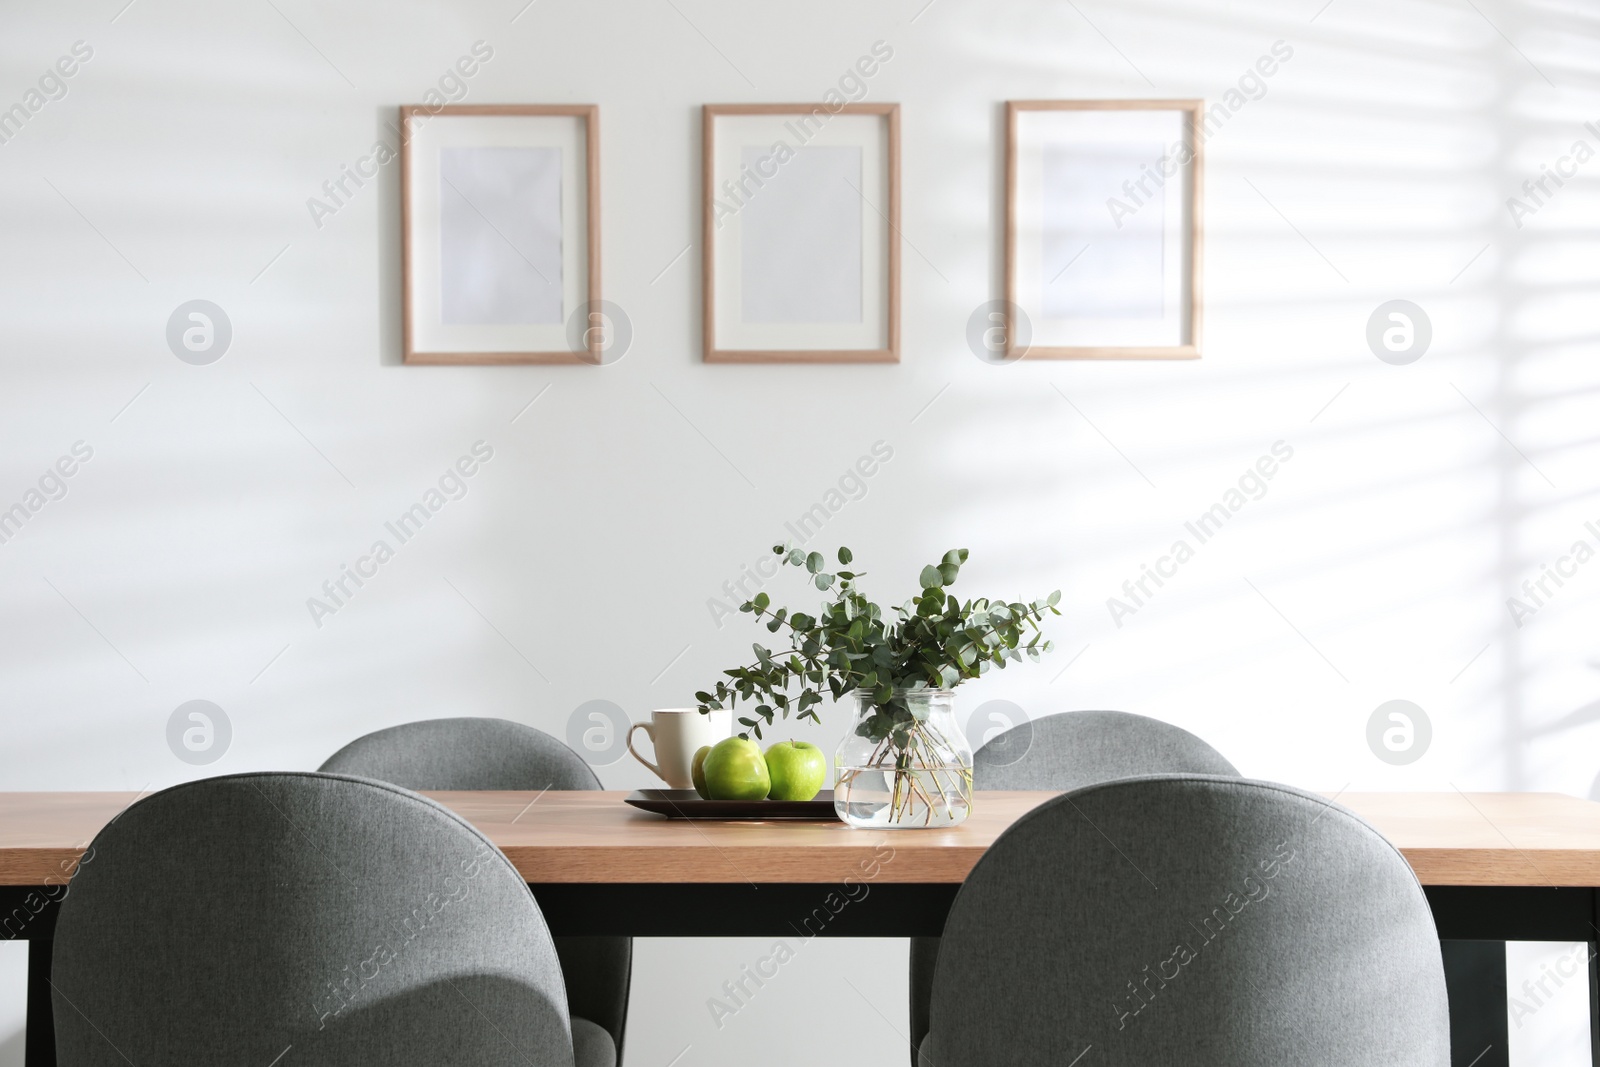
x: 1375, y: 166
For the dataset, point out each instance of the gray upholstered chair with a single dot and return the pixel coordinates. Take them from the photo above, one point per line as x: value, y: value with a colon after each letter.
x: 449, y: 754
x: 338, y: 921
x: 1068, y: 750
x: 1077, y: 748
x: 1190, y: 919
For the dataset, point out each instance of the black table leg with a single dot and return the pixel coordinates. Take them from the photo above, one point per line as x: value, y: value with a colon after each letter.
x: 1475, y: 978
x: 40, y: 1044
x: 1594, y: 1001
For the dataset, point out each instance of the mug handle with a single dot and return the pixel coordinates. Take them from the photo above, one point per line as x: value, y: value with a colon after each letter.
x: 646, y: 727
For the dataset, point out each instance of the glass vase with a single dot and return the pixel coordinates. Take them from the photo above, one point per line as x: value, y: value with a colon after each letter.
x: 904, y: 765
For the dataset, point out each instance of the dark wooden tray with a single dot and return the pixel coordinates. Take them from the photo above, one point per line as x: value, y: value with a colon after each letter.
x: 686, y: 804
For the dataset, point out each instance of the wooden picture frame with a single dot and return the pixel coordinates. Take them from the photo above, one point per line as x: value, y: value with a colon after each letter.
x: 756, y: 336
x: 451, y: 321
x: 1100, y: 336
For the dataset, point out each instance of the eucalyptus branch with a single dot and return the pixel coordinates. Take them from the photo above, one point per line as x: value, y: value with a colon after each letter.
x: 934, y: 641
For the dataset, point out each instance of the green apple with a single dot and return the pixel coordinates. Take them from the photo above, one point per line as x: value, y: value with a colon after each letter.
x: 697, y: 771
x: 797, y: 769
x: 735, y: 770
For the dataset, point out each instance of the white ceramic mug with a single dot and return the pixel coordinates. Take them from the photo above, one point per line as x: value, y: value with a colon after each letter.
x: 677, y: 734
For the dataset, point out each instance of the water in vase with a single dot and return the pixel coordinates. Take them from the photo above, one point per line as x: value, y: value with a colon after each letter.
x: 914, y: 798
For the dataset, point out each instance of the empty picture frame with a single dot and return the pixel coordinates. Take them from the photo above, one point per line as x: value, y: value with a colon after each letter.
x: 1103, y: 229
x: 500, y: 233
x: 800, y: 234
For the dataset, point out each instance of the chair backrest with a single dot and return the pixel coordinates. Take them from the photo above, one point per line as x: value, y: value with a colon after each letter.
x: 445, y: 754
x: 1067, y: 750
x: 233, y: 919
x: 1190, y: 919
x: 463, y: 753
x: 1078, y: 748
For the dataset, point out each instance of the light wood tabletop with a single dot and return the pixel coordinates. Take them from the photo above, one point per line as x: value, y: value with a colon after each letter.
x: 1483, y: 839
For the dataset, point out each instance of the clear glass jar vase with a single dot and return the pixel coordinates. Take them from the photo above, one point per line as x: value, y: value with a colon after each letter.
x: 904, y: 765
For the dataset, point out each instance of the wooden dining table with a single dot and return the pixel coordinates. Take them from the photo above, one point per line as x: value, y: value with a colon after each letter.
x: 1495, y: 867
